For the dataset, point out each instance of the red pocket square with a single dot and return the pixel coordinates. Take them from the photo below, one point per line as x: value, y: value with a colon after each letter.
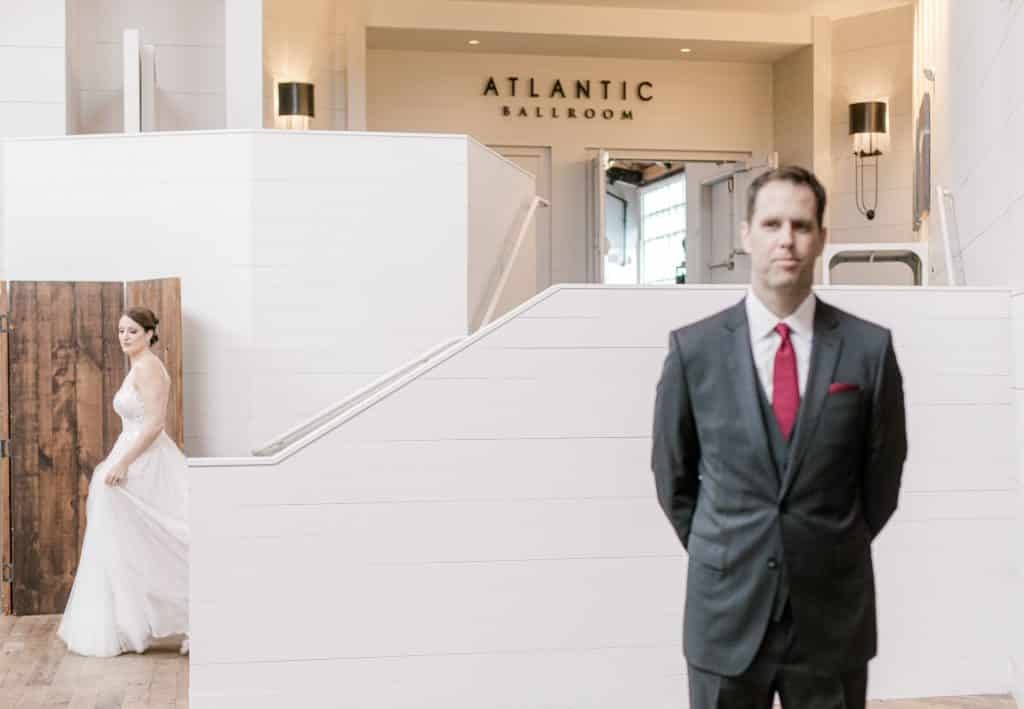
x: 837, y: 387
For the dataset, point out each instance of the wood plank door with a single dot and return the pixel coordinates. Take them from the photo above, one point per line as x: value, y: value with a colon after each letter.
x: 65, y: 364
x: 6, y: 561
x: 163, y: 297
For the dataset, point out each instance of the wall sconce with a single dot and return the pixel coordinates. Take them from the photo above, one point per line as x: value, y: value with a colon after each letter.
x: 869, y: 126
x: 295, y: 98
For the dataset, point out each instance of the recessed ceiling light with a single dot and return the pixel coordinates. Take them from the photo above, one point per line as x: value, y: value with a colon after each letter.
x: 474, y: 42
x: 685, y: 50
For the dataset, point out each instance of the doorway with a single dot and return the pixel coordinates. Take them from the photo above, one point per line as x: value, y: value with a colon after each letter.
x: 664, y: 218
x: 645, y: 222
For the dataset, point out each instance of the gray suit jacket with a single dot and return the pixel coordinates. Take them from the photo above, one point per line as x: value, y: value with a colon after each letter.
x: 744, y: 522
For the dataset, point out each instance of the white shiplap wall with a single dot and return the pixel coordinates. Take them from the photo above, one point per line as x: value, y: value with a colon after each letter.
x: 33, y: 86
x: 188, y: 36
x: 976, y: 52
x: 487, y: 535
x: 311, y: 262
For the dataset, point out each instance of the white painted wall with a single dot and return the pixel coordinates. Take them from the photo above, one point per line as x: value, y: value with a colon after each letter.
x: 500, y: 194
x: 697, y: 106
x: 308, y: 265
x: 487, y: 535
x: 976, y: 53
x: 301, y: 42
x: 190, y: 65
x: 872, y: 58
x: 33, y: 86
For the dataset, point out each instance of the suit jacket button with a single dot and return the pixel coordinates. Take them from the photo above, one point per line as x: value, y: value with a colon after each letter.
x: 772, y: 563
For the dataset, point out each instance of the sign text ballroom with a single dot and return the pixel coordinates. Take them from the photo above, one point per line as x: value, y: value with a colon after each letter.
x: 577, y: 89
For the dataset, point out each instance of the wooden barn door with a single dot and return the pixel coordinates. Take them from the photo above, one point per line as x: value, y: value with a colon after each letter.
x: 60, y: 366
x: 65, y: 364
x: 163, y: 297
x: 6, y: 562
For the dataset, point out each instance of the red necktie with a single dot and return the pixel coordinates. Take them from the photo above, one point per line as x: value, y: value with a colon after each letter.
x: 785, y: 387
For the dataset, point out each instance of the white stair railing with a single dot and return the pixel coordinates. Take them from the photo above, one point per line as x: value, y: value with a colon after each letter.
x: 954, y: 257
x: 506, y: 272
x: 319, y: 419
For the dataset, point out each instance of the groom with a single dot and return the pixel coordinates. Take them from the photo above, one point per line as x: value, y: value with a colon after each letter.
x: 779, y: 441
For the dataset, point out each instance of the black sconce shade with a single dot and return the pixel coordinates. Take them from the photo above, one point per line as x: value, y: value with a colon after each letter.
x: 295, y: 99
x: 868, y: 117
x: 869, y: 122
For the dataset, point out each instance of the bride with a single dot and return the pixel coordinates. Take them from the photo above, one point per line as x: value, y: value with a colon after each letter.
x: 131, y: 586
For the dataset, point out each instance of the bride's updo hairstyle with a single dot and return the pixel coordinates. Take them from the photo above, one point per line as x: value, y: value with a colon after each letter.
x: 145, y: 318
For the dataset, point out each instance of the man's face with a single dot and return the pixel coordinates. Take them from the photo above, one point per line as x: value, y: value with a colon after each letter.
x: 783, y: 237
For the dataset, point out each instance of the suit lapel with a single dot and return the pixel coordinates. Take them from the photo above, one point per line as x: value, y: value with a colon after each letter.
x: 824, y: 357
x: 744, y: 386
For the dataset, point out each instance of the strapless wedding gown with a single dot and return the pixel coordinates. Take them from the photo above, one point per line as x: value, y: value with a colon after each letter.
x: 132, y: 580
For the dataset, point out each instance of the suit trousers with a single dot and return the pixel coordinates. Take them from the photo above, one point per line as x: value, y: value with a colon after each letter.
x: 779, y: 667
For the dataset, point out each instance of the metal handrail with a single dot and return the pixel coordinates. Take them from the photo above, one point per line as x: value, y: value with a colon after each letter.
x: 301, y: 430
x: 506, y: 272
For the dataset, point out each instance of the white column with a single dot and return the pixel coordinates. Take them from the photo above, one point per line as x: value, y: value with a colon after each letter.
x: 132, y: 84
x: 822, y: 81
x: 355, y: 69
x: 243, y: 63
x: 822, y: 33
x: 147, y: 87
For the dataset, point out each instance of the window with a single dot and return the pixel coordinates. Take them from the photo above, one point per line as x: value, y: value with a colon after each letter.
x: 663, y: 231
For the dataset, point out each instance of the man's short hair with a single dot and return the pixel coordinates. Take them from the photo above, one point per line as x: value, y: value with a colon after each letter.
x: 788, y: 173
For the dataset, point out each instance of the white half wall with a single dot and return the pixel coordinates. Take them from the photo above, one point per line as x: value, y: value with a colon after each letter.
x: 311, y: 262
x: 488, y: 534
x: 1016, y: 625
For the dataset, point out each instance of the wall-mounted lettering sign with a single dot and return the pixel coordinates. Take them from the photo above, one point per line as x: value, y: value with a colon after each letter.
x: 603, y: 90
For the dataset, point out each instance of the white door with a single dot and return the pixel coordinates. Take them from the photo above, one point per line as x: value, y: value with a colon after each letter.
x: 537, y: 161
x: 713, y: 228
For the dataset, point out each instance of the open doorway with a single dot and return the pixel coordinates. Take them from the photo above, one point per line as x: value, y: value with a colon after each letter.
x: 645, y: 222
x: 648, y: 222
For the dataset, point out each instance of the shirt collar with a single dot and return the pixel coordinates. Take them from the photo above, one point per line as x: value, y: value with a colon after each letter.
x: 762, y: 321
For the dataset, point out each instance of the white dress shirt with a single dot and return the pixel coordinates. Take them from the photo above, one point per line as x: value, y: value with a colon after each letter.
x: 764, y: 341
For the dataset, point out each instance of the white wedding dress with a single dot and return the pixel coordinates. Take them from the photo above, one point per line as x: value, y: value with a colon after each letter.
x: 132, y: 580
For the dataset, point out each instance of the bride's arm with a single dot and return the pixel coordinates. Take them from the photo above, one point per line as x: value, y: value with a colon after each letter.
x: 154, y: 391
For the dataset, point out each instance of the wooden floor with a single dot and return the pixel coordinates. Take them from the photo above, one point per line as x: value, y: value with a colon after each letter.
x: 36, y: 671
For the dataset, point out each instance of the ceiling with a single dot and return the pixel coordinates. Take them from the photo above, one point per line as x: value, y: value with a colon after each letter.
x: 827, y: 8
x: 575, y: 45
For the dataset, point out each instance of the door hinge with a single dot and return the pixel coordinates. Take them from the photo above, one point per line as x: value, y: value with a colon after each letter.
x: 5, y: 323
x: 5, y: 448
x: 6, y: 573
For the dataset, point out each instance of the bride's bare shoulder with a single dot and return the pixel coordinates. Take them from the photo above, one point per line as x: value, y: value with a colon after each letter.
x: 150, y: 371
